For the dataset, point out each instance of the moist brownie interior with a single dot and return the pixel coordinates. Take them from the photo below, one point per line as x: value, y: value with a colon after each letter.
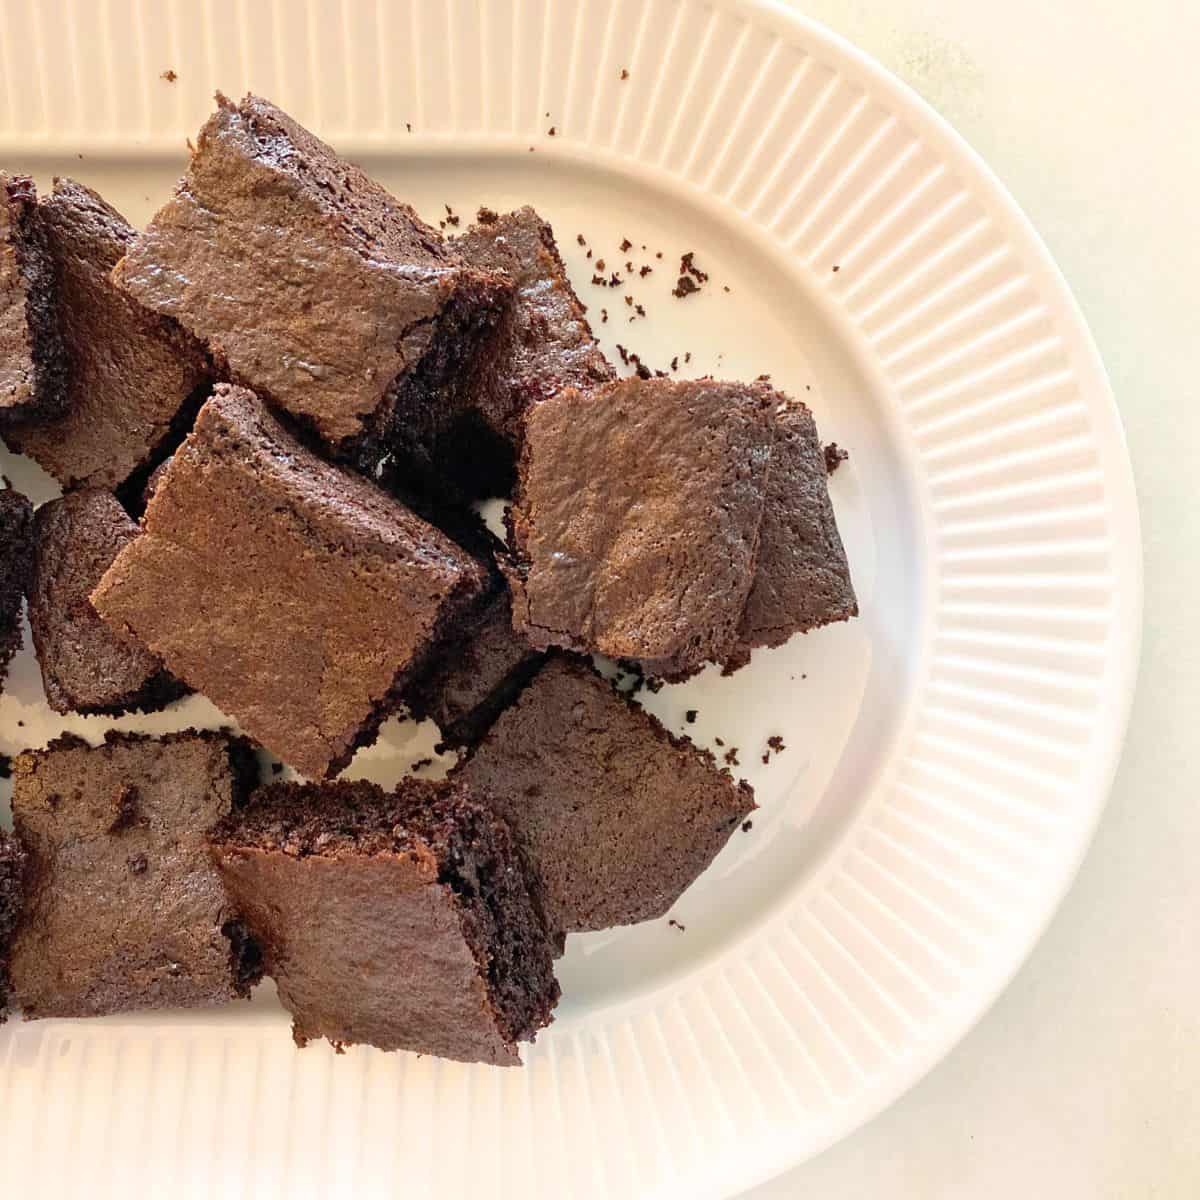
x: 33, y: 365
x: 16, y: 561
x: 12, y: 871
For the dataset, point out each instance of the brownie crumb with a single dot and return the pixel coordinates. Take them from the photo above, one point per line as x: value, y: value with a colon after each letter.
x: 644, y: 372
x: 766, y: 757
x: 685, y: 287
x: 687, y: 357
x: 691, y: 715
x: 653, y: 685
x: 626, y: 245
x: 169, y: 75
x: 687, y: 266
x: 775, y: 742
x: 614, y: 280
x: 731, y: 757
x: 589, y: 253
x: 487, y: 216
x: 600, y: 265
x: 719, y: 741
x: 408, y: 126
x: 599, y: 281
x: 629, y: 301
x: 658, y: 254
x: 138, y: 864
x: 676, y: 925
x: 645, y: 270
x: 725, y: 288
x: 551, y: 132
x: 604, y: 316
x: 834, y: 457
x: 452, y: 217
x: 421, y: 764
x: 675, y: 363
x: 747, y: 826
x: 624, y: 74
x: 836, y: 267
x: 581, y: 239
x: 126, y: 808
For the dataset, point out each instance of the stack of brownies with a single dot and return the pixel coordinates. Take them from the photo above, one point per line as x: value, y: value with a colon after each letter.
x: 272, y: 414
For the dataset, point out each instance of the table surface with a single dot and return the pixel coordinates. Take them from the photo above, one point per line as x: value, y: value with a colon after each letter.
x: 1083, y: 1082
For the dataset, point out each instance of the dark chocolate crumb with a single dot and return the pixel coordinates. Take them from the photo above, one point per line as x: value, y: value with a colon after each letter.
x: 691, y: 715
x: 724, y: 288
x: 614, y: 280
x: 731, y: 756
x: 169, y: 75
x: 658, y: 254
x: 623, y: 353
x: 685, y: 287
x: 5, y: 767
x: 599, y: 280
x: 676, y: 924
x: 675, y: 363
x: 421, y: 764
x: 451, y: 218
x: 644, y: 372
x: 766, y: 757
x: 624, y: 73
x: 581, y: 239
x: 589, y: 253
x: 834, y: 457
x: 687, y: 266
x: 637, y: 308
x: 137, y: 864
x: 551, y: 132
x: 604, y: 316
x: 645, y: 270
x: 747, y: 826
x: 487, y: 216
x: 775, y: 742
x: 626, y: 245
x: 629, y: 266
x: 719, y: 741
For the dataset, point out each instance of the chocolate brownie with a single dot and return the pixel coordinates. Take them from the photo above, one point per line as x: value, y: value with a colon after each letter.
x: 403, y: 920
x: 86, y: 668
x: 637, y: 516
x: 12, y: 890
x: 124, y: 908
x: 296, y: 596
x: 16, y: 561
x: 546, y: 343
x: 133, y: 376
x: 33, y: 366
x: 476, y: 675
x: 802, y: 578
x: 618, y: 816
x: 310, y: 283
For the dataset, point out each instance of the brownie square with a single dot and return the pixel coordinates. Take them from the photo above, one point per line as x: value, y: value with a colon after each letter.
x: 403, y: 920
x: 86, y: 668
x: 616, y: 815
x: 33, y: 367
x: 636, y: 522
x: 12, y: 891
x: 124, y: 908
x: 545, y: 345
x: 476, y: 675
x: 312, y: 284
x: 296, y: 596
x: 802, y: 578
x: 16, y: 561
x: 133, y: 376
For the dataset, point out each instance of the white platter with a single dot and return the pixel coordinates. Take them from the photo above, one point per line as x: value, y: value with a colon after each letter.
x: 947, y: 755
